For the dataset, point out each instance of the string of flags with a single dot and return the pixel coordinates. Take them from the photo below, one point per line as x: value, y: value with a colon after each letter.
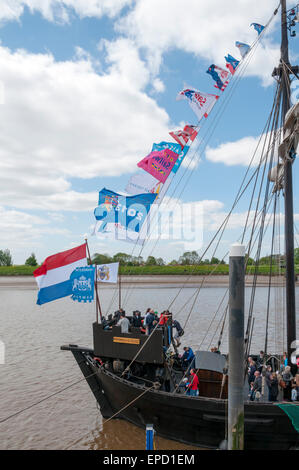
x: 123, y: 216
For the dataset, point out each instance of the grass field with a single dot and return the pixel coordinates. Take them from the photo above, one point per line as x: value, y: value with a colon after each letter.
x: 221, y: 269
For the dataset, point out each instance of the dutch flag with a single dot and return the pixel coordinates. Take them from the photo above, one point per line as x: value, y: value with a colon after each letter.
x: 53, y: 276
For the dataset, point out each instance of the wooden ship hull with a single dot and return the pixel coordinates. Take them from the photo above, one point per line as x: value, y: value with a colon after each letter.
x: 198, y: 421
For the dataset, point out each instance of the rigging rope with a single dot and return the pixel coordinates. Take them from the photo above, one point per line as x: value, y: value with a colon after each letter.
x: 244, y: 64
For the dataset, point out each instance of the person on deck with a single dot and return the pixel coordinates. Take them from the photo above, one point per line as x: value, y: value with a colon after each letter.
x: 136, y: 321
x: 163, y: 318
x: 187, y: 357
x: 193, y: 383
x: 150, y: 322
x: 287, y: 378
x: 256, y: 386
x: 179, y: 331
x: 260, y: 361
x: 251, y: 370
x: 124, y: 323
x: 272, y: 383
x: 118, y: 314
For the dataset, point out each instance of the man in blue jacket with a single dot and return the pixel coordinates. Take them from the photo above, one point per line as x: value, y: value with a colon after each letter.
x: 187, y: 357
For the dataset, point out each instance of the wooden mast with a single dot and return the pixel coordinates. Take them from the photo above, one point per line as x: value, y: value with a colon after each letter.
x: 285, y: 69
x: 98, y: 305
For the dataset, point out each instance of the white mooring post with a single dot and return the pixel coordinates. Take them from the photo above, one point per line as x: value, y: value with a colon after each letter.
x: 236, y: 348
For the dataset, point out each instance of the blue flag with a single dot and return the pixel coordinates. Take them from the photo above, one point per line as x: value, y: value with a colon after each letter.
x: 232, y: 63
x: 258, y: 27
x: 122, y: 213
x: 82, y: 282
x: 167, y: 145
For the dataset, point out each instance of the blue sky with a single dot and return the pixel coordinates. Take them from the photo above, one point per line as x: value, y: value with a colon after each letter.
x: 88, y: 86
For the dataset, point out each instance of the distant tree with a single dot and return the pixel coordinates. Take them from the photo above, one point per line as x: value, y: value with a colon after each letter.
x: 215, y: 260
x: 122, y: 258
x: 174, y: 262
x: 189, y: 257
x: 160, y: 262
x: 265, y: 260
x: 151, y: 261
x: 5, y: 258
x: 101, y: 259
x: 31, y: 261
x: 250, y: 261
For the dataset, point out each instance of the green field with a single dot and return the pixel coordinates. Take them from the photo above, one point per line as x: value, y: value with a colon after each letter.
x: 221, y: 269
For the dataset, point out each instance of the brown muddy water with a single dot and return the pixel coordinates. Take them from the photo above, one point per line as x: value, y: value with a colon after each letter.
x: 35, y: 367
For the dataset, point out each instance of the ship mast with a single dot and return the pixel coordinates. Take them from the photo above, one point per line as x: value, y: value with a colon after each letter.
x: 284, y: 73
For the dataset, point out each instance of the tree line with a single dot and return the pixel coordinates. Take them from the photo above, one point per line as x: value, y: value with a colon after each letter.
x: 187, y: 258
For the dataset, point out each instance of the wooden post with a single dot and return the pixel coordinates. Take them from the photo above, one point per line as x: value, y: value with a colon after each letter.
x: 119, y: 289
x: 236, y: 348
x: 98, y: 305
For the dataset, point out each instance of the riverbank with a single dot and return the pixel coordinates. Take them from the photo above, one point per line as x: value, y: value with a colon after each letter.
x: 177, y: 270
x: 28, y: 282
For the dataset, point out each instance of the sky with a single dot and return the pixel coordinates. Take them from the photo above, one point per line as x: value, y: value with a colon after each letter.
x: 86, y: 88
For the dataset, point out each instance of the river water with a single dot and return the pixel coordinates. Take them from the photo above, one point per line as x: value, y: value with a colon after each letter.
x: 35, y: 367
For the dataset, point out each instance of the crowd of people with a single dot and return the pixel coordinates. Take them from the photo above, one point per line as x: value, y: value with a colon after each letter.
x: 282, y: 384
x: 146, y: 324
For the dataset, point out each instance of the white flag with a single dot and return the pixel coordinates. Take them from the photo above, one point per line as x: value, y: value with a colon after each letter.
x: 107, y: 272
x: 143, y: 183
x: 201, y: 103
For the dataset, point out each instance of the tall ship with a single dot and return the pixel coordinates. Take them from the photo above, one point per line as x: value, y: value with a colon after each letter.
x: 140, y: 376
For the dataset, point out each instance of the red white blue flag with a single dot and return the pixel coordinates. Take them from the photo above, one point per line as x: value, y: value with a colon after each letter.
x: 183, y: 136
x: 53, y: 276
x: 220, y: 76
x: 231, y: 63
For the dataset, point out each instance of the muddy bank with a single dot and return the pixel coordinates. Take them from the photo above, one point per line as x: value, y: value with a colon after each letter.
x: 28, y: 282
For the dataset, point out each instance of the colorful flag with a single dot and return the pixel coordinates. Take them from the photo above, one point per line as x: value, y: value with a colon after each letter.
x: 53, y: 276
x: 107, y: 272
x: 258, y: 27
x: 159, y: 163
x: 178, y: 148
x: 167, y: 145
x: 121, y: 216
x: 143, y: 183
x: 82, y: 280
x: 232, y: 63
x: 243, y: 48
x: 182, y: 155
x: 182, y: 137
x: 220, y: 76
x: 201, y: 103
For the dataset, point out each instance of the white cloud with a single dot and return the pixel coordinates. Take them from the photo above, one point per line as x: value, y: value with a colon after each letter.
x: 158, y: 85
x: 239, y: 152
x: 64, y: 120
x: 62, y: 10
x: 205, y: 29
x: 20, y: 229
